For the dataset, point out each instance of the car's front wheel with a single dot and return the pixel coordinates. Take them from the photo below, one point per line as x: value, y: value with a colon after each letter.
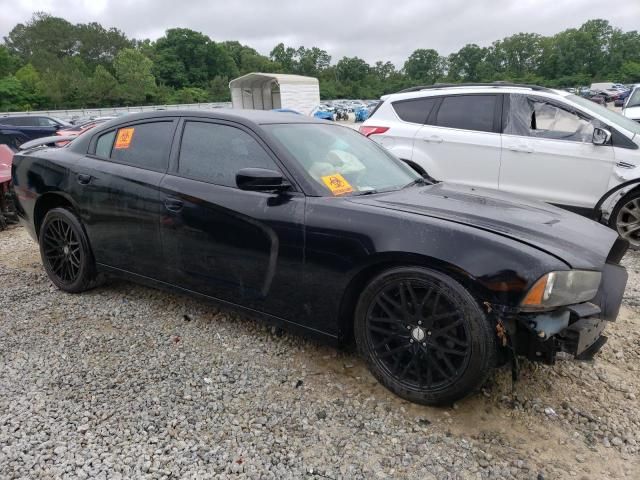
x: 65, y: 251
x: 423, y: 336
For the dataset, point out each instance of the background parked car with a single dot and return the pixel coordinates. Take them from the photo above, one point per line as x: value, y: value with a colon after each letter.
x: 34, y: 126
x: 533, y: 141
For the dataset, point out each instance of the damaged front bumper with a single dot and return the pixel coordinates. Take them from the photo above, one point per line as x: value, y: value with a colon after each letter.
x: 575, y: 329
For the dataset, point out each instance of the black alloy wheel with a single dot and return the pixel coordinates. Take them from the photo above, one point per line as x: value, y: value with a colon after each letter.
x: 423, y: 336
x: 65, y: 252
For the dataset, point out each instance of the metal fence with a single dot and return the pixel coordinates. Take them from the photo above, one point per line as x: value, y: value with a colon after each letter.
x: 103, y: 112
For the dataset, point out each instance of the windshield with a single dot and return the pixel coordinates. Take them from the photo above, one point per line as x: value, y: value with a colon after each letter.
x: 341, y: 160
x: 610, y: 115
x: 634, y: 98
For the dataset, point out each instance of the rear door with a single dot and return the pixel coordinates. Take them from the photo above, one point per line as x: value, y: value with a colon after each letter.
x: 549, y: 155
x: 238, y: 246
x: 461, y: 140
x: 116, y: 186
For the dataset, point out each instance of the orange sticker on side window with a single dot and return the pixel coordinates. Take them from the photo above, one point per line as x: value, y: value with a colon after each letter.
x: 125, y: 135
x: 337, y: 184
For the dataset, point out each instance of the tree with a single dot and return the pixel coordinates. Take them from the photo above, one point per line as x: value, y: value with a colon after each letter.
x: 285, y: 57
x: 186, y: 58
x: 102, y: 88
x: 383, y: 70
x: 352, y: 69
x: 135, y: 77
x: 99, y: 46
x: 8, y: 63
x: 12, y: 94
x: 42, y: 39
x: 468, y: 64
x: 425, y: 66
x: 311, y: 61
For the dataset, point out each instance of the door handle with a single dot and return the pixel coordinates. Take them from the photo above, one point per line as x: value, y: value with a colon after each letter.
x: 173, y: 204
x: 521, y: 148
x: 84, y: 178
x: 433, y: 139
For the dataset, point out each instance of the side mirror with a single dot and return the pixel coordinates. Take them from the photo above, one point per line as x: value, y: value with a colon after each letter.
x: 601, y: 136
x: 261, y: 180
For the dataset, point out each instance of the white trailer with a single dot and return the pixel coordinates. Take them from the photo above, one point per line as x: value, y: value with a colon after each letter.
x: 268, y: 91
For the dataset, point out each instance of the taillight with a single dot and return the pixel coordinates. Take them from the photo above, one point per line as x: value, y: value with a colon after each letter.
x: 368, y: 131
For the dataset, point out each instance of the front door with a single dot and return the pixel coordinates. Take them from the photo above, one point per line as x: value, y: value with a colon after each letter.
x: 548, y: 154
x: 238, y: 246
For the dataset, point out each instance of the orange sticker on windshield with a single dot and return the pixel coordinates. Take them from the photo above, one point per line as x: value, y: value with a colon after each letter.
x: 125, y: 135
x: 337, y: 184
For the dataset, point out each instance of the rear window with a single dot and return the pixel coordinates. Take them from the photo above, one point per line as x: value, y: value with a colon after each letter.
x: 8, y: 121
x: 416, y: 110
x: 468, y: 112
x: 144, y: 145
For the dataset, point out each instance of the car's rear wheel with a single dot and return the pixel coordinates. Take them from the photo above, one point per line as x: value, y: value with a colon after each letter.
x: 625, y: 219
x: 65, y: 251
x: 423, y: 336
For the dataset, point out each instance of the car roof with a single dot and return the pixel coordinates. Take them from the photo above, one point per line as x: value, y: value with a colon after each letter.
x: 257, y: 117
x: 471, y: 88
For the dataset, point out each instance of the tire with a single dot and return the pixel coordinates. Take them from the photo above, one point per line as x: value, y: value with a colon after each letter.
x: 65, y: 251
x: 625, y: 219
x: 434, y: 354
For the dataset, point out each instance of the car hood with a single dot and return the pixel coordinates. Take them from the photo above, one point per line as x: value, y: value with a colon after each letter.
x: 576, y: 240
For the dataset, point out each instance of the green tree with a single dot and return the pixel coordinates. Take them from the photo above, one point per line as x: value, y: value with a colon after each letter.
x: 135, y: 77
x: 8, y: 63
x: 468, y: 64
x: 99, y: 46
x: 12, y: 94
x: 42, y: 39
x: 186, y: 58
x: 285, y: 57
x: 103, y: 88
x: 425, y: 66
x: 352, y: 69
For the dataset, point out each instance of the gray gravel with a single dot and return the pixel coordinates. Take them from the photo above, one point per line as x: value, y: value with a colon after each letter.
x: 130, y: 382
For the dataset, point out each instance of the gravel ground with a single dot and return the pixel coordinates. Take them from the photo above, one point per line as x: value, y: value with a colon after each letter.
x: 130, y: 382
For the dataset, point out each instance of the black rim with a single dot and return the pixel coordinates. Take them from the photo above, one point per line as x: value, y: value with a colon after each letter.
x: 62, y: 250
x: 418, y: 335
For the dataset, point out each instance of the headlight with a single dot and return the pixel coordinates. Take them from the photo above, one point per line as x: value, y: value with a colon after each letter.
x: 562, y: 288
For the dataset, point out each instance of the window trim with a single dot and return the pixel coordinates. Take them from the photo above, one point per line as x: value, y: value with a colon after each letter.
x: 497, y: 112
x: 177, y: 142
x: 91, y: 151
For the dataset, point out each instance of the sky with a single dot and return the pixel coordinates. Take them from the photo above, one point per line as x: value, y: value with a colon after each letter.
x: 372, y: 29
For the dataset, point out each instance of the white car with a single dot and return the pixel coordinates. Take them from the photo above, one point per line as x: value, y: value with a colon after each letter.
x: 631, y: 107
x: 528, y: 140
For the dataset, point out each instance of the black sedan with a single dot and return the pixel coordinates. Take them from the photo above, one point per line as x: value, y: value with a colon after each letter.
x: 312, y: 226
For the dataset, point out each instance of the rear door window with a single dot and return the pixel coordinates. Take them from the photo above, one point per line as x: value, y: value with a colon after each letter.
x: 214, y: 153
x: 468, y: 112
x: 144, y: 145
x: 416, y: 110
x: 104, y: 144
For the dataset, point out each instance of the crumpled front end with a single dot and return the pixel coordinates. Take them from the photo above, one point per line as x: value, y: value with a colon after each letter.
x: 573, y: 329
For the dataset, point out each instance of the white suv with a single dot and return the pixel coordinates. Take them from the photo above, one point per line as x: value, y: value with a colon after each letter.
x: 542, y: 143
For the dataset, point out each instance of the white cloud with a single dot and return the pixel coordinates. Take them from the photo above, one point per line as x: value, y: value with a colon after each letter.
x: 371, y: 29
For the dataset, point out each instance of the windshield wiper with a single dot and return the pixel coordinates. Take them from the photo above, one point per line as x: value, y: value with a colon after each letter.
x: 417, y: 181
x: 366, y: 192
